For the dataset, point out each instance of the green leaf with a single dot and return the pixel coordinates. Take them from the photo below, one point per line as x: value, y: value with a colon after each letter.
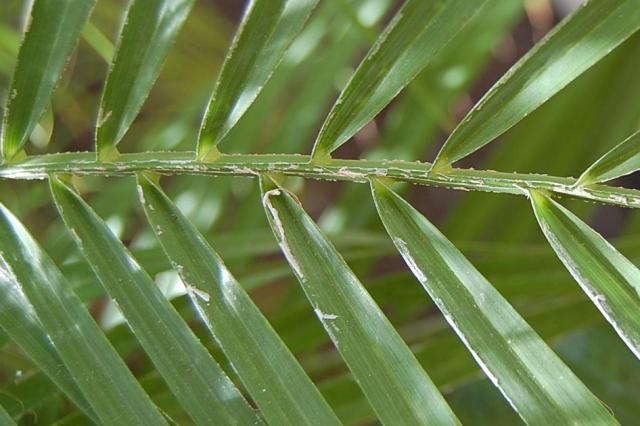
x: 147, y: 35
x: 412, y: 124
x: 539, y: 386
x: 258, y: 354
x: 197, y: 381
x: 393, y: 381
x: 621, y: 160
x: 19, y: 321
x: 25, y: 395
x: 5, y: 418
x: 417, y: 33
x: 610, y: 280
x: 98, y: 41
x: 604, y: 110
x: 54, y: 31
x: 570, y: 49
x: 265, y: 33
x: 103, y: 378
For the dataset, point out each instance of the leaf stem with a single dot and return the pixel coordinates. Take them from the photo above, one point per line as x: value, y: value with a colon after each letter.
x: 170, y: 163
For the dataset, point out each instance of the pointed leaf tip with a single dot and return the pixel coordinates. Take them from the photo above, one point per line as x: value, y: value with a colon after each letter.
x: 574, y: 46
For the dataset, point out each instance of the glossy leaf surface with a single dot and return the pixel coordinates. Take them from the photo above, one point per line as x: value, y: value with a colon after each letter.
x: 417, y: 33
x: 55, y: 28
x: 267, y: 29
x: 621, y: 160
x: 20, y: 323
x: 539, y: 386
x: 395, y: 384
x: 571, y: 48
x: 610, y: 280
x: 147, y: 35
x: 259, y: 356
x: 102, y: 376
x: 179, y: 356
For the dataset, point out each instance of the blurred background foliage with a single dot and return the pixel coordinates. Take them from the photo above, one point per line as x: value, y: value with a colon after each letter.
x: 497, y: 232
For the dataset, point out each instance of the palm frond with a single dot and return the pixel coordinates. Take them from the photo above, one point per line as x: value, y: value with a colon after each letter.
x: 104, y: 319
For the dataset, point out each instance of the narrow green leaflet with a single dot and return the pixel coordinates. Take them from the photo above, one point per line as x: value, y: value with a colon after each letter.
x: 98, y: 41
x: 580, y: 41
x: 266, y: 31
x: 103, y: 378
x: 19, y: 321
x: 26, y: 395
x: 393, y: 381
x: 417, y: 116
x: 148, y: 33
x: 197, y: 381
x: 610, y: 280
x: 258, y: 354
x: 621, y: 160
x: 419, y: 30
x: 539, y: 386
x: 5, y: 418
x: 54, y: 31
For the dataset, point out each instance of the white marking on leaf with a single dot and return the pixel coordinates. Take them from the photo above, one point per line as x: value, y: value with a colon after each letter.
x: 406, y: 254
x: 322, y: 316
x: 598, y: 299
x: 103, y: 118
x: 277, y: 223
x: 195, y: 291
x: 345, y: 172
